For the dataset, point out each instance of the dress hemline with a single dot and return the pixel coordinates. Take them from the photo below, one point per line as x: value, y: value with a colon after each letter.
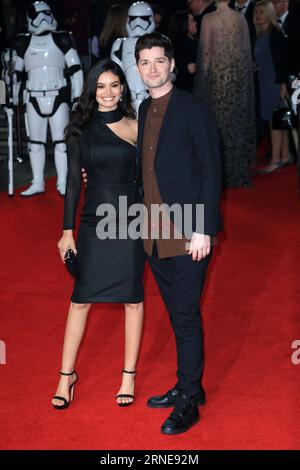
x: 108, y: 300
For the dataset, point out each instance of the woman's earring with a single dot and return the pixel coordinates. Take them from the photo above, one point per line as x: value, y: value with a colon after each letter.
x: 121, y: 99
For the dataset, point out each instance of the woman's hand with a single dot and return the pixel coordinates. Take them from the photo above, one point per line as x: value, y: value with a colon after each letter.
x: 65, y: 243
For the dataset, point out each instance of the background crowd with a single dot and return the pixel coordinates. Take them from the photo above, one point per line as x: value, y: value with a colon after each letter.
x: 241, y: 56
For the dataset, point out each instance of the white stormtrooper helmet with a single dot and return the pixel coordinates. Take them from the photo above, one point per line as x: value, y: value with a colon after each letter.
x: 140, y: 19
x: 40, y: 18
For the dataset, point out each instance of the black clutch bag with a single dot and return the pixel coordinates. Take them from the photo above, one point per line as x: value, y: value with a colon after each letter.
x: 71, y: 263
x: 283, y: 117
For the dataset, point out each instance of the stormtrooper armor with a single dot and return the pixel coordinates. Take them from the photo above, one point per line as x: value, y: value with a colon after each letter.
x: 8, y: 59
x: 140, y: 22
x: 45, y: 54
x: 296, y: 94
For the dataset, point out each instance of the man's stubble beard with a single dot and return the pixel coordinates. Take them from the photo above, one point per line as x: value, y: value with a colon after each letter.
x: 159, y: 84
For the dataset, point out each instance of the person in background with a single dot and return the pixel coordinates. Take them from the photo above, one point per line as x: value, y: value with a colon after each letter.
x: 158, y: 17
x: 183, y: 32
x: 224, y: 78
x: 246, y: 7
x: 200, y: 8
x: 269, y: 54
x: 114, y: 27
x: 77, y: 14
x: 289, y: 21
x: 3, y: 38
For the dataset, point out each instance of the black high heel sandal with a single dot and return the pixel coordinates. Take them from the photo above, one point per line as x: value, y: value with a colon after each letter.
x: 126, y: 395
x: 71, y: 393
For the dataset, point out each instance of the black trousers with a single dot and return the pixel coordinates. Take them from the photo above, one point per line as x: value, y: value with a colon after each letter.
x: 181, y: 280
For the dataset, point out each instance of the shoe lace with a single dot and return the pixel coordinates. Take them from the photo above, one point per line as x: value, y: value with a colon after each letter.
x: 180, y: 406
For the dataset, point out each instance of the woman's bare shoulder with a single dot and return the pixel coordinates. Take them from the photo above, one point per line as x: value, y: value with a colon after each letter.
x: 209, y: 17
x: 132, y: 128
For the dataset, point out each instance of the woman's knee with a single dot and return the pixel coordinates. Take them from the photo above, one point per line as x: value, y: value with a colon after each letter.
x: 80, y: 307
x: 134, y: 307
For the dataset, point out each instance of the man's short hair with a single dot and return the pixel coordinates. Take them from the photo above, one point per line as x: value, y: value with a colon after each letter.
x: 154, y: 40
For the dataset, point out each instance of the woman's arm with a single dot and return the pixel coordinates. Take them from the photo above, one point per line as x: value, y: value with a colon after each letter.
x: 73, y: 189
x: 206, y: 43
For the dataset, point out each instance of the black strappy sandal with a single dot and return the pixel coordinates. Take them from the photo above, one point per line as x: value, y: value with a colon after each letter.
x: 126, y: 395
x: 71, y: 393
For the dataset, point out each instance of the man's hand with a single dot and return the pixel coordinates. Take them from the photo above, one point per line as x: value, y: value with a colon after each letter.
x: 192, y: 68
x: 84, y: 176
x: 74, y: 104
x: 199, y: 246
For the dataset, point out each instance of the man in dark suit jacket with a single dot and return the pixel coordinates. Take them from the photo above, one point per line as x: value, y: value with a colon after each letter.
x: 200, y: 8
x: 178, y: 162
x: 290, y: 24
x: 246, y: 7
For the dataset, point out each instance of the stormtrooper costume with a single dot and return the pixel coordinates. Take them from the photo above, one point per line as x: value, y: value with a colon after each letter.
x: 140, y: 22
x: 45, y: 53
x: 296, y: 94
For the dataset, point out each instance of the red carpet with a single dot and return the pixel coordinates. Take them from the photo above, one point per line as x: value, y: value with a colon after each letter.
x: 251, y: 317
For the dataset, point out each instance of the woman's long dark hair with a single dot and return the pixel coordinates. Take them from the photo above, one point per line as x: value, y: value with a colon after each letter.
x: 179, y: 26
x: 115, y: 25
x: 87, y: 103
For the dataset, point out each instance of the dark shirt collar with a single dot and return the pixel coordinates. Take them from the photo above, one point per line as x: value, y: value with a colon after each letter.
x: 162, y: 100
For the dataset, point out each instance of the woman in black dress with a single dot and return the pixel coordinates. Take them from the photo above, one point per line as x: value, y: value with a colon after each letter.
x: 101, y: 138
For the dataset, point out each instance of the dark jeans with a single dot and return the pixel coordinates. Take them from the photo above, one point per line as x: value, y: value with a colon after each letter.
x: 181, y: 280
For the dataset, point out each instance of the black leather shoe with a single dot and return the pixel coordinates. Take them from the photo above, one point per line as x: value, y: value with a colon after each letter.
x: 183, y: 417
x: 169, y: 399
